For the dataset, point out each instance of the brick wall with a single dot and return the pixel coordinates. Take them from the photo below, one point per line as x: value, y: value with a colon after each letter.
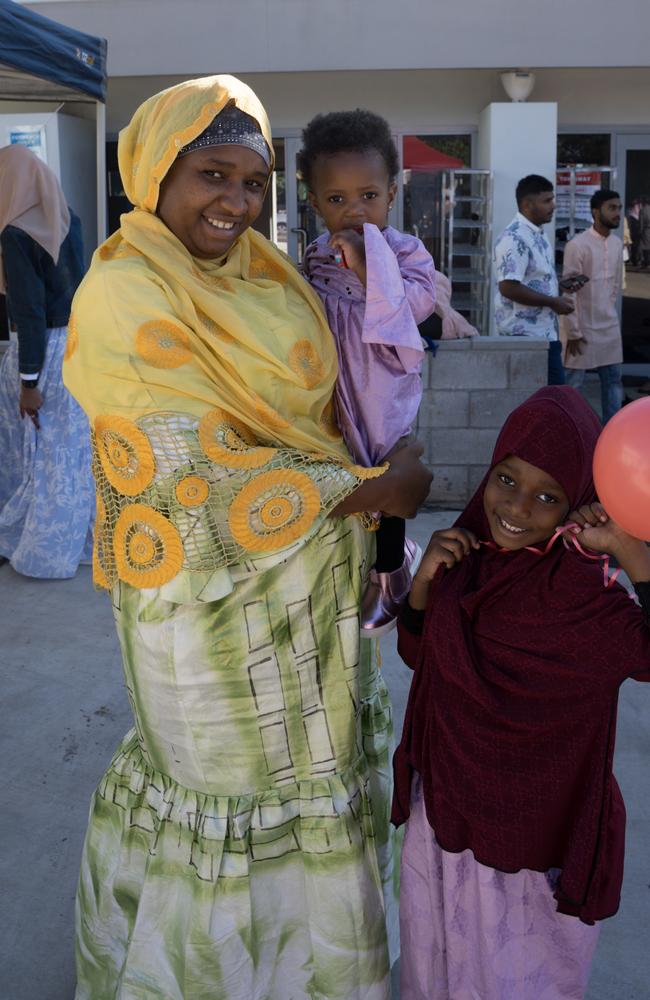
x: 470, y: 387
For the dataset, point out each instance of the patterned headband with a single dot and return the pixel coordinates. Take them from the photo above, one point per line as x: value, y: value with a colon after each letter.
x: 231, y: 127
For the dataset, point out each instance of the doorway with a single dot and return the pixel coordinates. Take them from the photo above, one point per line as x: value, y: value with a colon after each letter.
x: 633, y: 183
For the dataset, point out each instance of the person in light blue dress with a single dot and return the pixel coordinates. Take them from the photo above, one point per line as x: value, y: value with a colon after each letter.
x: 46, y: 494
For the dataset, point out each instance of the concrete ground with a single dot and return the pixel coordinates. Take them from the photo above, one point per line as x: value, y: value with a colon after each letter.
x: 63, y: 712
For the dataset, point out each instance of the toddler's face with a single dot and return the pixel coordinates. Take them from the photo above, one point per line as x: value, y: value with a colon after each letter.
x: 349, y: 189
x: 523, y: 504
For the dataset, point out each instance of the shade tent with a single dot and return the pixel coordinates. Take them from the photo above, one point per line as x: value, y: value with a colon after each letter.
x: 41, y: 60
x: 422, y: 158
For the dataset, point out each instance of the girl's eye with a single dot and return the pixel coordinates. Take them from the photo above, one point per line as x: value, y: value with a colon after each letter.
x: 369, y: 195
x: 547, y: 498
x: 214, y: 173
x: 335, y: 199
x: 506, y: 480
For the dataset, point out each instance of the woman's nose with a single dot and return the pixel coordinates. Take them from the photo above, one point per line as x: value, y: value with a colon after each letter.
x: 233, y: 198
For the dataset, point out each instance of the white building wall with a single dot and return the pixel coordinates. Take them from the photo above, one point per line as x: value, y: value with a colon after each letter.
x: 154, y: 37
x: 419, y: 100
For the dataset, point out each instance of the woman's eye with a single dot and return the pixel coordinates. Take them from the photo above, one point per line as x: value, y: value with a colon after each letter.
x: 548, y: 498
x: 214, y: 173
x: 255, y: 184
x: 506, y: 480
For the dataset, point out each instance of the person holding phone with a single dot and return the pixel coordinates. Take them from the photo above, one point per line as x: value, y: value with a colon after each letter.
x: 593, y: 329
x: 528, y: 302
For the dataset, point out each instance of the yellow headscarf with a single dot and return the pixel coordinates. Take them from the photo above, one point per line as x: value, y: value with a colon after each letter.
x: 185, y: 366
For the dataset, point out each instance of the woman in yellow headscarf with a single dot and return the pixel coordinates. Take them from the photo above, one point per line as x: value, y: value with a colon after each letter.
x: 238, y: 844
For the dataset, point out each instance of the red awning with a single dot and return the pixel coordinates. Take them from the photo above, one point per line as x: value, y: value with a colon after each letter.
x: 422, y: 158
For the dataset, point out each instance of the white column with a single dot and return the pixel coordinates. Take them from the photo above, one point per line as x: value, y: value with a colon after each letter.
x: 516, y: 139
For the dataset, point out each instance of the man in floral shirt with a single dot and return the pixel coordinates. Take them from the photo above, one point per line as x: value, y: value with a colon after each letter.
x: 527, y: 302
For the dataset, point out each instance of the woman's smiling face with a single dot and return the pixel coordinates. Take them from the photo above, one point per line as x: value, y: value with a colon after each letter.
x: 523, y: 504
x: 211, y: 196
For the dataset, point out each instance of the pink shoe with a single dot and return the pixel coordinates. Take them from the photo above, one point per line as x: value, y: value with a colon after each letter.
x: 386, y: 593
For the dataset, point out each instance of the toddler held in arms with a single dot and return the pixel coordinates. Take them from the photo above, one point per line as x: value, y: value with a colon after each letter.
x: 376, y: 285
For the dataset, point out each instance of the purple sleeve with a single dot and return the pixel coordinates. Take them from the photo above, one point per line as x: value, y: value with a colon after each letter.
x: 400, y: 293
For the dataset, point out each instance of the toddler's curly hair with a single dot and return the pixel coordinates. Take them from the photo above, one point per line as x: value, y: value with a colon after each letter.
x: 346, y: 132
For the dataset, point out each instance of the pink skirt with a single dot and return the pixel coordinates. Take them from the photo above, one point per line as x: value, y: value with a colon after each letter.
x: 473, y: 933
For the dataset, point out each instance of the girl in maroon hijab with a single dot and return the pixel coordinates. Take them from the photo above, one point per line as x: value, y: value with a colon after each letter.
x: 515, y: 834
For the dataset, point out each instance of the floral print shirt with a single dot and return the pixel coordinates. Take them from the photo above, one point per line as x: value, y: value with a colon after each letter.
x: 523, y: 253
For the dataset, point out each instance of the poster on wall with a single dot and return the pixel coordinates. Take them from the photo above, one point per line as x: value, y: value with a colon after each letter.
x: 32, y: 136
x: 587, y: 182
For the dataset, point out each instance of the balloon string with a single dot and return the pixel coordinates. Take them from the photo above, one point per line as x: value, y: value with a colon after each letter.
x: 568, y: 534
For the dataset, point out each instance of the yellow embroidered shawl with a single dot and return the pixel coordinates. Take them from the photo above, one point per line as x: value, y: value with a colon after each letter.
x: 208, y: 384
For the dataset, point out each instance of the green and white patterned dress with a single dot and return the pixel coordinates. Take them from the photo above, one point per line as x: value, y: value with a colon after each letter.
x: 239, y: 845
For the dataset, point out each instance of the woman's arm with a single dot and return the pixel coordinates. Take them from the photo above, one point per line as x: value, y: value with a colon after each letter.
x: 399, y: 492
x: 25, y: 298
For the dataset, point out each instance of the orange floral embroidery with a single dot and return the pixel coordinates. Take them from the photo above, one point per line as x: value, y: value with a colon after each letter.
x: 273, y: 510
x: 213, y: 327
x: 228, y: 441
x: 361, y: 472
x: 328, y: 423
x: 72, y: 340
x: 163, y: 344
x: 192, y: 491
x: 267, y: 270
x: 305, y: 362
x: 268, y: 415
x: 111, y: 250
x: 147, y: 547
x: 125, y: 454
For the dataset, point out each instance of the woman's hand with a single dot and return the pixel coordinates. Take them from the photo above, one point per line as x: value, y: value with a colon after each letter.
x: 30, y: 403
x: 399, y: 492
x: 600, y: 533
x: 407, y: 482
x: 351, y: 244
x: 446, y: 548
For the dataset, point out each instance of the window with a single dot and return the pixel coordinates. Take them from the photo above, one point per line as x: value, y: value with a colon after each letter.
x: 593, y: 148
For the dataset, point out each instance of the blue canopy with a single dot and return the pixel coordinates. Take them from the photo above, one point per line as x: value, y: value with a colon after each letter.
x: 34, y: 46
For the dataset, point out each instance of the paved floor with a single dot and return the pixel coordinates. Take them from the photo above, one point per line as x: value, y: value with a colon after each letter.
x: 63, y: 712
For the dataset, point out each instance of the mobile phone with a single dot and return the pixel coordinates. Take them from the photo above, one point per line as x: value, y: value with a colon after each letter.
x: 573, y: 284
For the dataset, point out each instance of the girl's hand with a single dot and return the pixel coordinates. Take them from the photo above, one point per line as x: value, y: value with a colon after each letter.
x: 350, y: 243
x: 597, y: 530
x: 446, y: 548
x: 600, y: 533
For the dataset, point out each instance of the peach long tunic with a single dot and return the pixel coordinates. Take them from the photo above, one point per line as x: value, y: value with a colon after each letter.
x: 596, y: 317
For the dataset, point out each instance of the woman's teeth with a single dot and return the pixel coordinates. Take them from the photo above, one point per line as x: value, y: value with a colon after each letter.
x: 510, y: 527
x: 218, y: 224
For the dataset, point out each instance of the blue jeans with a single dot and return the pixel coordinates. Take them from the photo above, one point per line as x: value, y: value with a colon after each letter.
x: 611, y: 387
x: 555, y: 366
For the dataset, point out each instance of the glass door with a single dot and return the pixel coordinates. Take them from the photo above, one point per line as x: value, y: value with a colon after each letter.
x: 633, y: 184
x: 303, y: 225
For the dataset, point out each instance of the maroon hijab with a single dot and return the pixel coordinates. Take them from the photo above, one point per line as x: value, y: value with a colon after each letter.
x: 512, y: 711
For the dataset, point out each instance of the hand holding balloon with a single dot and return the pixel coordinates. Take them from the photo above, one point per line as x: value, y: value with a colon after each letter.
x: 622, y: 468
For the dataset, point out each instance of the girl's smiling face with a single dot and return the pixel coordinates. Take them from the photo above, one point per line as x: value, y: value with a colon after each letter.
x: 523, y: 504
x: 348, y: 189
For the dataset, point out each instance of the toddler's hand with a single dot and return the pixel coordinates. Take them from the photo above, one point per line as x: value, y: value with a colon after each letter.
x: 446, y: 548
x: 350, y: 243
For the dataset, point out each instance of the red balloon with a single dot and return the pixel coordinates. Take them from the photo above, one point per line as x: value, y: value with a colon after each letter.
x: 622, y: 468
